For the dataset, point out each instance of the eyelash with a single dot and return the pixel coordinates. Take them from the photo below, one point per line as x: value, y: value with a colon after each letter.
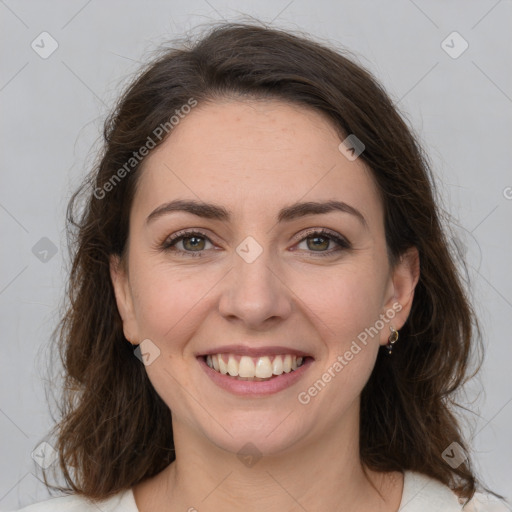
x: 342, y: 242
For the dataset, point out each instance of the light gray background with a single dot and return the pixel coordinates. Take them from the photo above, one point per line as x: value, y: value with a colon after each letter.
x: 52, y: 114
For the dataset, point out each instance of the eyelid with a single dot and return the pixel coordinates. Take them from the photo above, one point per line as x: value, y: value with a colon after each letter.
x: 319, y: 230
x: 340, y: 240
x: 184, y: 233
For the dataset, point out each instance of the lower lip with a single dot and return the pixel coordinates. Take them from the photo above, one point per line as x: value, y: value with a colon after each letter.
x: 255, y: 388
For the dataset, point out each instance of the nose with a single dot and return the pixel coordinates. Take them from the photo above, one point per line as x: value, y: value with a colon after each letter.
x: 255, y: 293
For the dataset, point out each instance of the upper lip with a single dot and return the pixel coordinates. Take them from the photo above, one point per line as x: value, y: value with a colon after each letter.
x: 243, y: 350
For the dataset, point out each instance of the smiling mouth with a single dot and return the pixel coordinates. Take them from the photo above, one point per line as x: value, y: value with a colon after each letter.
x: 255, y: 369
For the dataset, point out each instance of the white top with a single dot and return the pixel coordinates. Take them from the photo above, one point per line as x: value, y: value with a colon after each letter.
x: 420, y: 494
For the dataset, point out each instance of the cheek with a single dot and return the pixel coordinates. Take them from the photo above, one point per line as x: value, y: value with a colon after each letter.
x: 345, y: 300
x: 169, y: 299
x: 347, y: 306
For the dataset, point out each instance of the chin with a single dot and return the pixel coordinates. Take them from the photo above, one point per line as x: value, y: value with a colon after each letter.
x: 258, y: 434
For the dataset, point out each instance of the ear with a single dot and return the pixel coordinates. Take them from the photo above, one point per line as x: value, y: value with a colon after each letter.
x: 403, y: 281
x: 124, y: 299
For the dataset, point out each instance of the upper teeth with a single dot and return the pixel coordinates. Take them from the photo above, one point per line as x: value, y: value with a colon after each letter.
x: 260, y: 367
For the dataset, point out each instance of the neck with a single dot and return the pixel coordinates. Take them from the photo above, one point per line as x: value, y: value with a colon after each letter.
x: 312, y: 476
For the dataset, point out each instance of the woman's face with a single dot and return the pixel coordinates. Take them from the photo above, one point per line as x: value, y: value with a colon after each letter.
x: 256, y: 282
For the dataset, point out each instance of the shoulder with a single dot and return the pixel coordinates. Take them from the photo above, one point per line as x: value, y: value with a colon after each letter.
x: 70, y: 503
x: 422, y: 492
x: 485, y: 503
x: 120, y: 502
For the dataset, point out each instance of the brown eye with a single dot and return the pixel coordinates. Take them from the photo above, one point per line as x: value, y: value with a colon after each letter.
x: 319, y: 241
x: 193, y: 243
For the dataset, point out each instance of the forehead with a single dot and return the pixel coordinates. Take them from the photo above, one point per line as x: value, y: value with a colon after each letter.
x: 254, y: 156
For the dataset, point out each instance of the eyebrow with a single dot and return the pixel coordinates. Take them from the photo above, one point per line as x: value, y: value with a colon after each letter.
x: 286, y: 214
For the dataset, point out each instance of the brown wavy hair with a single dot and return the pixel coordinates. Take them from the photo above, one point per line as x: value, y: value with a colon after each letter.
x: 114, y: 430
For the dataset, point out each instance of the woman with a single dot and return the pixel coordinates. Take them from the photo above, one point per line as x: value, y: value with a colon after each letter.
x: 264, y: 310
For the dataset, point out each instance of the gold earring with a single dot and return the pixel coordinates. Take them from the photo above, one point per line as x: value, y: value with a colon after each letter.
x: 393, y: 338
